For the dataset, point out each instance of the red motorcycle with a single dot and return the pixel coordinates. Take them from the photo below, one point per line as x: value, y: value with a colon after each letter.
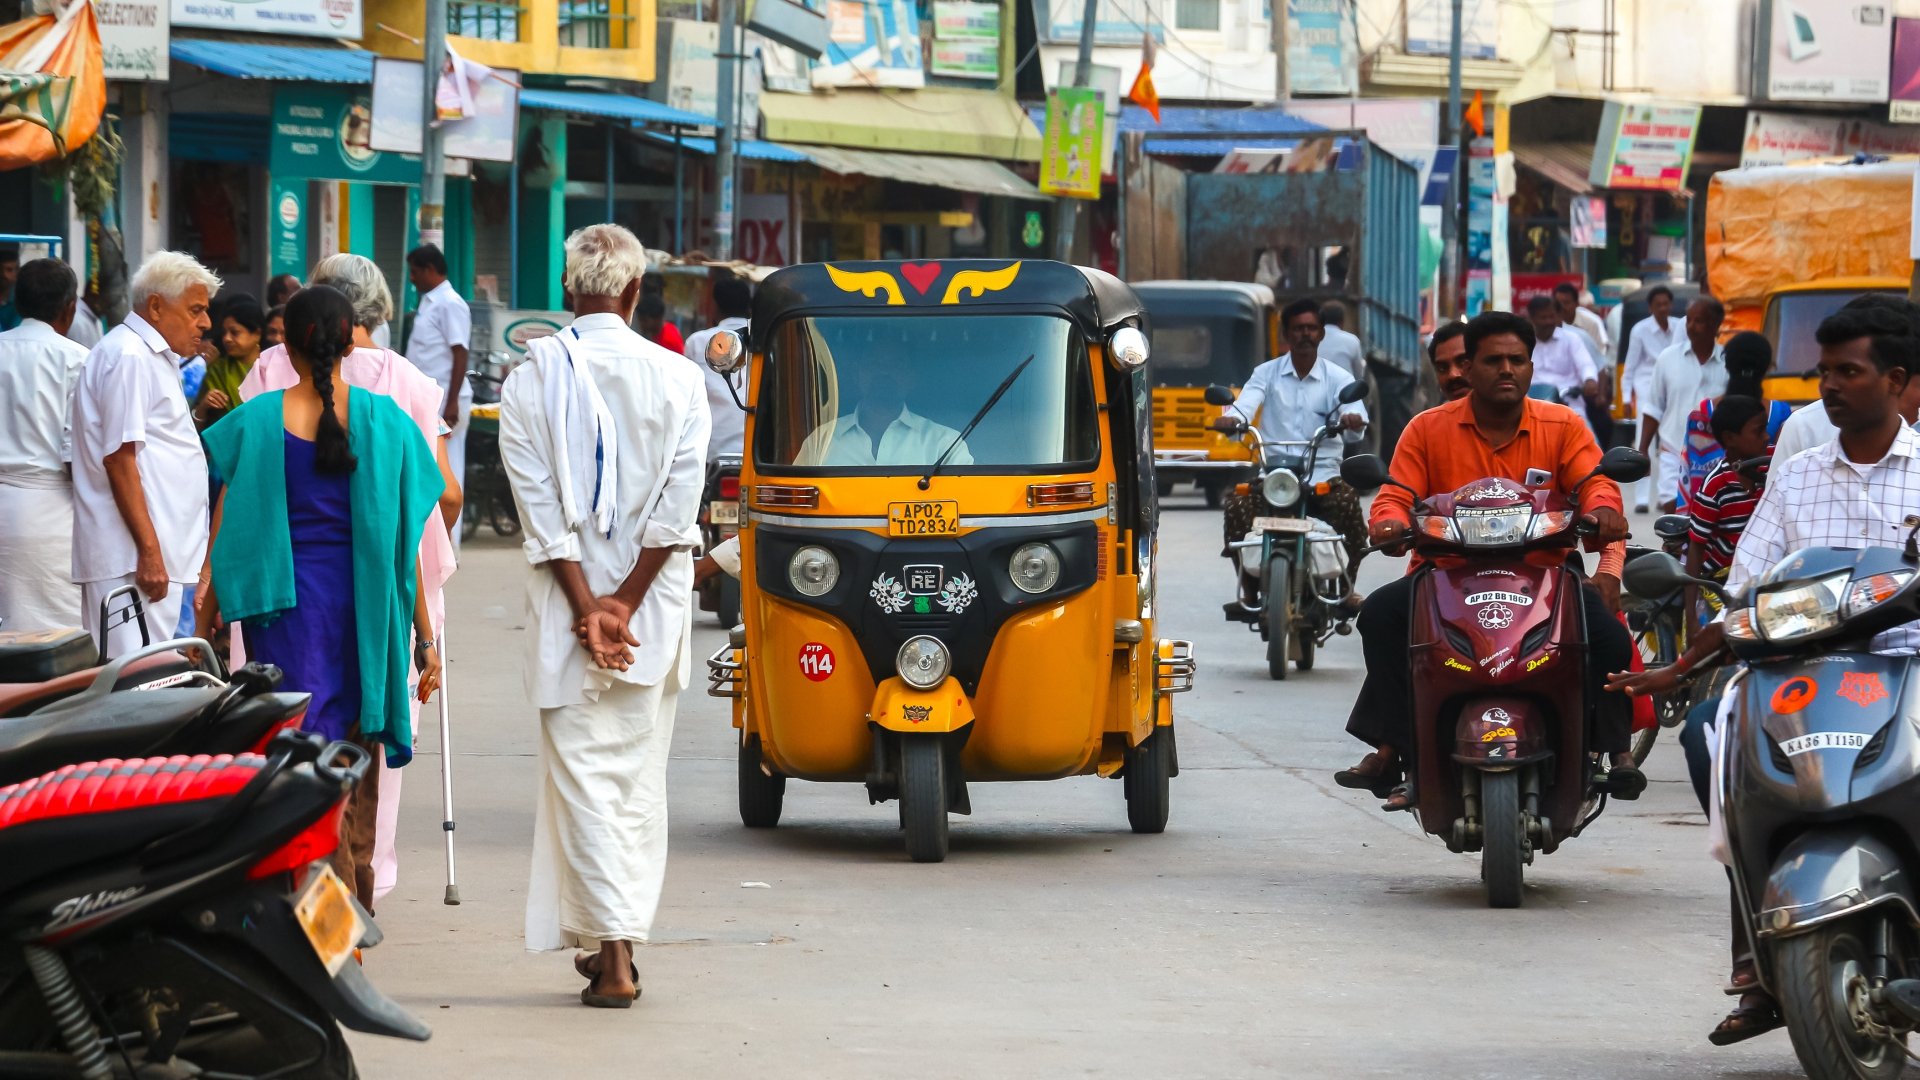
x: 1499, y: 657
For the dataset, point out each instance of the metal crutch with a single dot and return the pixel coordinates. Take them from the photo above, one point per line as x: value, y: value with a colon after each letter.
x: 446, y: 773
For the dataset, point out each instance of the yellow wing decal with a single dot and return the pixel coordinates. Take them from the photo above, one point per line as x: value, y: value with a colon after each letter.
x: 977, y: 283
x: 868, y: 283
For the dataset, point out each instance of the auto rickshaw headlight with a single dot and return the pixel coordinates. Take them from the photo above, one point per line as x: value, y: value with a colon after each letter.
x: 923, y: 662
x: 813, y: 571
x: 1281, y: 488
x: 1034, y: 567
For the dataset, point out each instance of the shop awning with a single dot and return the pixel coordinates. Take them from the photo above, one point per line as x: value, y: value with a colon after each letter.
x: 290, y: 63
x: 936, y: 120
x: 612, y: 106
x: 749, y: 149
x: 1564, y: 163
x: 934, y: 170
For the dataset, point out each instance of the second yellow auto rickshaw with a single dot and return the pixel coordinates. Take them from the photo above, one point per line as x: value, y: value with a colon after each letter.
x: 1204, y: 332
x: 947, y: 547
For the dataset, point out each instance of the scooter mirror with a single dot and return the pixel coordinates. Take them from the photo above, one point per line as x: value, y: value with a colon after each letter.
x: 1219, y: 395
x: 1654, y: 575
x: 1624, y: 465
x: 1353, y: 392
x: 1364, y: 472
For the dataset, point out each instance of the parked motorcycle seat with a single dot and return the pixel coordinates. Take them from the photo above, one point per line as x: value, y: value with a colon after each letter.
x: 34, y: 656
x: 18, y: 699
x: 127, y: 724
x: 87, y: 813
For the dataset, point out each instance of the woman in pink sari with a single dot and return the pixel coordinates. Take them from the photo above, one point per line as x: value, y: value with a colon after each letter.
x: 382, y: 371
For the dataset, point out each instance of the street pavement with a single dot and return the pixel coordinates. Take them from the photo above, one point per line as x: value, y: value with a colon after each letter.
x: 1281, y: 927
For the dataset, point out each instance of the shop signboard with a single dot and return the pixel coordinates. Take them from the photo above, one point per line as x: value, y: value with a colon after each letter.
x: 133, y: 38
x: 763, y: 234
x: 287, y: 209
x: 326, y: 133
x: 1903, y: 104
x: 1644, y: 146
x: 872, y: 43
x: 1823, y: 50
x: 1778, y: 138
x: 1321, y: 57
x: 1430, y: 28
x: 309, y: 18
x: 1070, y: 147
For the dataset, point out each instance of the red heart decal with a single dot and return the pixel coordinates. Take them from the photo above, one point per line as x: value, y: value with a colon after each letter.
x: 920, y: 275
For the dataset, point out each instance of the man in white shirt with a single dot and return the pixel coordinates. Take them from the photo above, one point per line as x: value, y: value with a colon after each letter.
x: 139, y: 476
x: 87, y: 329
x: 442, y: 330
x: 1336, y: 344
x: 1288, y: 400
x: 1560, y: 359
x: 38, y: 370
x: 733, y: 299
x: 1649, y: 338
x: 609, y: 495
x: 881, y: 430
x: 1566, y: 301
x: 1692, y: 370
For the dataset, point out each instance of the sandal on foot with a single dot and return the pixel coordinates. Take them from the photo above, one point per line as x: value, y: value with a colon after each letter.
x: 596, y: 1000
x: 1375, y: 773
x: 1746, y: 1022
x: 1400, y: 799
x: 1625, y: 782
x: 1744, y: 980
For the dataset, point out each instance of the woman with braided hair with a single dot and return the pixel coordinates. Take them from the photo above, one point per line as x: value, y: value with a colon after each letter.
x: 315, y: 551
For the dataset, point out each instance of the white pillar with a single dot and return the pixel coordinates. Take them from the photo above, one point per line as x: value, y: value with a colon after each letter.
x: 144, y: 189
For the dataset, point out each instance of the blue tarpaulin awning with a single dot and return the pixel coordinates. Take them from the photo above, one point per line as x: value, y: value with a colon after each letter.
x: 751, y: 149
x: 612, y: 106
x: 246, y: 60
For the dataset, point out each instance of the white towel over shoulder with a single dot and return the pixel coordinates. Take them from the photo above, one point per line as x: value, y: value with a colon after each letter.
x: 585, y: 456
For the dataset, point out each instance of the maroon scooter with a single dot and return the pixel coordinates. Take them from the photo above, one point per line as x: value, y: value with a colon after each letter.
x: 1499, y: 658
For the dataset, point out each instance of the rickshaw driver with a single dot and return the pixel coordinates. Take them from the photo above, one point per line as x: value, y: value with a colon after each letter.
x: 1495, y: 430
x: 881, y: 430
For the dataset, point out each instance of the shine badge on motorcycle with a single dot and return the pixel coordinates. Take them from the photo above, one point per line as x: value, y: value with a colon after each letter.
x: 723, y: 513
x: 1281, y: 525
x: 326, y: 912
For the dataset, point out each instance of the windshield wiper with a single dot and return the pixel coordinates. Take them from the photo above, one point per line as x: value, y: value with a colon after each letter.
x: 992, y: 400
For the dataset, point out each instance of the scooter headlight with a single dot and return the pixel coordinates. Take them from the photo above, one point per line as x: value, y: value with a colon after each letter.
x: 1034, y: 568
x: 1492, y: 528
x: 1808, y: 608
x: 923, y: 662
x: 1280, y: 488
x: 813, y: 571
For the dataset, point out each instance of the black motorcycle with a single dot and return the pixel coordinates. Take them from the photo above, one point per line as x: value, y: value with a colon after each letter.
x: 719, y: 522
x: 1817, y: 779
x: 175, y: 918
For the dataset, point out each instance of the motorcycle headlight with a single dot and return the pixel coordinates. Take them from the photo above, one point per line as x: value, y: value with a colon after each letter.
x: 1034, y: 568
x: 813, y: 571
x: 1553, y: 521
x: 1739, y: 625
x: 923, y: 662
x: 1870, y: 592
x: 1281, y: 488
x: 1493, y: 528
x: 1808, y: 608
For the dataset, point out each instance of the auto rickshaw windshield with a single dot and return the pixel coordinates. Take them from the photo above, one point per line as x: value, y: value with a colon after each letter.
x: 891, y: 394
x: 1194, y: 350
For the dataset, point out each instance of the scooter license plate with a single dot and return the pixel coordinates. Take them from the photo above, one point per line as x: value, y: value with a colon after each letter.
x: 723, y: 513
x: 1281, y: 525
x: 325, y: 912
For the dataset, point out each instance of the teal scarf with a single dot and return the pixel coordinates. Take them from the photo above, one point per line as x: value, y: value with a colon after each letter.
x: 393, y: 490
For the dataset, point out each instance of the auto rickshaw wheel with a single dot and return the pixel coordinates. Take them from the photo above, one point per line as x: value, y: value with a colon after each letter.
x: 1503, y: 850
x: 727, y: 601
x: 1276, y: 599
x: 923, y: 797
x: 1149, y: 793
x: 761, y: 795
x: 1307, y: 647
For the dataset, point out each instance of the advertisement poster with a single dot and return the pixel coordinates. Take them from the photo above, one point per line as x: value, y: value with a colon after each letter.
x: 692, y: 78
x: 1321, y: 58
x: 1824, y: 50
x: 486, y: 136
x: 1589, y: 222
x: 309, y: 18
x: 1778, y: 138
x: 871, y: 43
x: 287, y: 249
x: 133, y: 38
x: 1430, y: 28
x: 1903, y: 100
x: 966, y: 40
x: 1070, y: 150
x: 1644, y: 146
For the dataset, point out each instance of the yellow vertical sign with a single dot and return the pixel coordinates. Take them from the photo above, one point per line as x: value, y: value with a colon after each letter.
x: 1070, y: 159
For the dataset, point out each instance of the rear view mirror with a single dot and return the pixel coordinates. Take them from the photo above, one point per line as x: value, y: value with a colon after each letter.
x: 1353, y: 392
x: 725, y: 352
x: 1624, y: 465
x: 1654, y: 575
x: 1219, y: 395
x: 1672, y: 526
x: 1364, y: 472
x: 1128, y: 349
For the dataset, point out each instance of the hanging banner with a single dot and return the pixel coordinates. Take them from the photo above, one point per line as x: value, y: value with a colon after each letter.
x: 1589, y: 222
x: 1644, y: 146
x: 871, y: 43
x: 1070, y: 147
x: 486, y: 136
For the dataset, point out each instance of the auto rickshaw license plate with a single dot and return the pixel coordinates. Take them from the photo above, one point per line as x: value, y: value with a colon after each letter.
x: 325, y: 912
x: 1281, y: 525
x: 923, y: 519
x: 723, y: 513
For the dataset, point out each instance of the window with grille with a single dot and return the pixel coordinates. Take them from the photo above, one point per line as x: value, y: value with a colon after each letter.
x: 486, y: 20
x: 1196, y: 15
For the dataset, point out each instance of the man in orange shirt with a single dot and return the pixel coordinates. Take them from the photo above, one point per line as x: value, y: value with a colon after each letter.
x: 1494, y: 430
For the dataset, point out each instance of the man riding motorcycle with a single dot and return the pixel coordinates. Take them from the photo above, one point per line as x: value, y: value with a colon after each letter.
x: 1495, y: 430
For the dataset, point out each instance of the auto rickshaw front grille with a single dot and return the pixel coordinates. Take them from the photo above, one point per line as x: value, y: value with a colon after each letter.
x: 923, y: 622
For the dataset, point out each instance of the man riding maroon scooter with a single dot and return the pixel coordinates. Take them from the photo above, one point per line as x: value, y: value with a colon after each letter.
x: 1485, y: 664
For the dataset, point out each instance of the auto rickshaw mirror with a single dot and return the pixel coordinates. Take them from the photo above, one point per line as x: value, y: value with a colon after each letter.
x: 1624, y: 465
x: 1219, y: 395
x: 1654, y: 574
x: 1353, y: 392
x: 725, y: 352
x: 1364, y: 472
x: 1128, y: 348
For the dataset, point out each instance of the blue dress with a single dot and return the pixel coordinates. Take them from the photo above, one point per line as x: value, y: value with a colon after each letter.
x: 314, y: 643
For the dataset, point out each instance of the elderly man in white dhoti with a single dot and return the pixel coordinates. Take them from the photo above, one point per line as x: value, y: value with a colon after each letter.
x: 604, y: 435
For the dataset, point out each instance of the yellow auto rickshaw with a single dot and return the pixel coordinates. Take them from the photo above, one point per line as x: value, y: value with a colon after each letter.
x: 1204, y: 332
x: 947, y: 544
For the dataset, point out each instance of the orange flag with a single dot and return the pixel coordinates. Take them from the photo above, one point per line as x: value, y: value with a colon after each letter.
x: 1143, y: 94
x: 1477, y: 116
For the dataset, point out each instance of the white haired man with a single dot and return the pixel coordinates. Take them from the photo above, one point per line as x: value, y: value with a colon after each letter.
x: 604, y: 436
x: 139, y: 476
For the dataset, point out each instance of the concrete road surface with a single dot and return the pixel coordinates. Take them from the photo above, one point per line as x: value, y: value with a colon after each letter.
x: 1281, y: 927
